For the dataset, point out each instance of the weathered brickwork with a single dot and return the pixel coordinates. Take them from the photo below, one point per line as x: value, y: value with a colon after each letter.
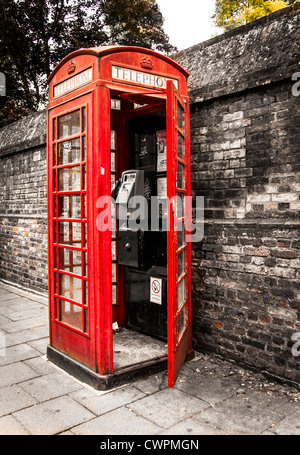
x: 245, y: 154
x: 246, y: 293
x: 245, y: 157
x: 23, y: 202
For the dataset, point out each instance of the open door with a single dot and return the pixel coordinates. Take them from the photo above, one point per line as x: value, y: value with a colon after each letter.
x: 179, y: 262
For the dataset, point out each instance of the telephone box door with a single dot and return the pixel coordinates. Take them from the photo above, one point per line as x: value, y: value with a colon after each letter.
x: 70, y: 230
x: 178, y: 186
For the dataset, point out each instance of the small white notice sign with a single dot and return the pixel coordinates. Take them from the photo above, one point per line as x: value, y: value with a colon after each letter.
x: 155, y: 290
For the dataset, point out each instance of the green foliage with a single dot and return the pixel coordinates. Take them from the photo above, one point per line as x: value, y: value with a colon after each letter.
x: 233, y: 13
x: 36, y: 34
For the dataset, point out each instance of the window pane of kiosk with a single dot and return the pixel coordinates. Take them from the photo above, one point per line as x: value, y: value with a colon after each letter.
x: 180, y: 182
x: 84, y: 269
x: 69, y: 206
x: 69, y: 124
x: 71, y: 314
x: 181, y: 293
x: 83, y: 148
x: 181, y: 322
x: 70, y: 287
x: 180, y: 114
x: 83, y: 209
x: 69, y: 233
x: 70, y: 261
x: 69, y: 179
x: 180, y: 146
x: 83, y: 126
x: 85, y: 293
x: 180, y: 264
x: 69, y: 152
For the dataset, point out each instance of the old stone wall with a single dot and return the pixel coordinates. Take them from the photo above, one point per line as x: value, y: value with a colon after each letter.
x: 23, y: 203
x: 245, y: 135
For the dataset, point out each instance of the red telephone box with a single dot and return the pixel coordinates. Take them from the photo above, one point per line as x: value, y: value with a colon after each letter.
x: 118, y: 126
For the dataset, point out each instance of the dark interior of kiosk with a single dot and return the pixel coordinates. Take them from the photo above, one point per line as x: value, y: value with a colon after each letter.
x: 138, y: 168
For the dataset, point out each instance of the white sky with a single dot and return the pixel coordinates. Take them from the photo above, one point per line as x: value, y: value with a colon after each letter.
x: 188, y: 22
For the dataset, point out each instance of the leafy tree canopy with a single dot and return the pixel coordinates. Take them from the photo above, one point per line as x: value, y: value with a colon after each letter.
x: 36, y: 34
x: 233, y: 13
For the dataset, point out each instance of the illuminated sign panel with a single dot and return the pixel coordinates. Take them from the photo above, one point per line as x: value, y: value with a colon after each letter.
x: 73, y: 82
x: 140, y: 78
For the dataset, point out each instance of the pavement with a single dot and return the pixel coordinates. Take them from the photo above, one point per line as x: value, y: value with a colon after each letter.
x: 211, y: 397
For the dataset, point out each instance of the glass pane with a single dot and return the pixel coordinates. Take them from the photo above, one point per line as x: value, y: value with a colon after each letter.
x: 83, y: 120
x: 54, y: 130
x: 69, y: 125
x: 180, y: 144
x: 84, y: 264
x: 69, y: 152
x: 69, y: 206
x: 54, y: 181
x: 181, y: 293
x: 70, y: 261
x: 84, y: 214
x: 179, y: 115
x: 84, y: 177
x: 113, y: 140
x: 181, y: 322
x: 69, y: 179
x: 181, y: 180
x: 114, y: 272
x: 84, y: 234
x: 180, y: 264
x: 85, y: 293
x: 113, y: 251
x: 71, y: 314
x: 86, y: 321
x: 70, y: 287
x: 114, y: 295
x: 84, y: 148
x: 180, y: 236
x: 69, y: 233
x: 113, y: 162
x: 54, y: 154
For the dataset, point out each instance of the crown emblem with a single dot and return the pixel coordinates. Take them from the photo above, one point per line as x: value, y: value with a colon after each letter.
x: 147, y: 63
x: 71, y: 67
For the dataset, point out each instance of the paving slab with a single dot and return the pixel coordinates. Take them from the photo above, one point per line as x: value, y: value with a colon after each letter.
x: 18, y: 353
x: 23, y: 336
x: 50, y: 386
x: 237, y: 416
x: 210, y: 387
x: 121, y: 421
x: 53, y: 416
x: 41, y: 365
x: 107, y: 402
x: 15, y: 373
x: 192, y: 427
x: 13, y: 398
x: 10, y: 426
x: 168, y: 407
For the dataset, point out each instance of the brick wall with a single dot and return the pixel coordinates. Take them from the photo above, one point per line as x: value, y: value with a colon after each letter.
x: 23, y: 203
x: 245, y: 135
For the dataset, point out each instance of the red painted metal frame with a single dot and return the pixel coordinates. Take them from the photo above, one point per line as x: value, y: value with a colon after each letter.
x: 178, y: 347
x: 95, y: 348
